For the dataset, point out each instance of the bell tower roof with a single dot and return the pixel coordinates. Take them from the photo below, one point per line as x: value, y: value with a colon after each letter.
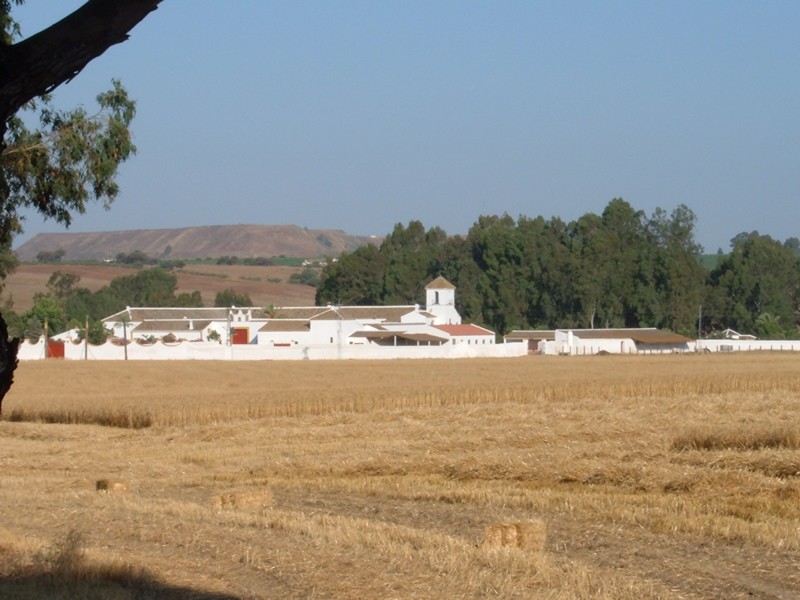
x: 440, y: 283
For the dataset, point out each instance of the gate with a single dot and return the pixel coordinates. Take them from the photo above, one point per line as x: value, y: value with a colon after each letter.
x: 240, y: 335
x: 55, y: 349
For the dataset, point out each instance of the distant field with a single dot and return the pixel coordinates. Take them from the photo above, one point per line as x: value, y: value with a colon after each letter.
x: 264, y: 285
x: 651, y: 477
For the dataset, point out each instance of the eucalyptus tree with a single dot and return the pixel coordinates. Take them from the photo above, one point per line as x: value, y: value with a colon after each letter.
x: 411, y: 253
x: 679, y: 274
x: 757, y: 286
x: 70, y: 157
x: 355, y: 278
x: 498, y: 249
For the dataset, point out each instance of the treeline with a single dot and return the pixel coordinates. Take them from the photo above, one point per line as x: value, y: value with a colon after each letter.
x: 66, y: 305
x: 622, y: 268
x: 137, y: 258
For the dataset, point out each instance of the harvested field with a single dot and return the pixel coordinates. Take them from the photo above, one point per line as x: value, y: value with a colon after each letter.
x: 540, y: 477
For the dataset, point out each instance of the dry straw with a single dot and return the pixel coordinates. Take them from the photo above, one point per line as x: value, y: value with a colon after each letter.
x: 243, y: 500
x: 525, y: 535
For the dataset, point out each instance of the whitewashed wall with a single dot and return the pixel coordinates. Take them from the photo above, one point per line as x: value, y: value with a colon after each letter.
x: 566, y: 342
x: 214, y: 351
x: 748, y: 345
x: 589, y: 347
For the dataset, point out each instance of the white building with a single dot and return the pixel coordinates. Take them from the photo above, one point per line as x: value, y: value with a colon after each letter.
x: 602, y: 341
x: 256, y: 333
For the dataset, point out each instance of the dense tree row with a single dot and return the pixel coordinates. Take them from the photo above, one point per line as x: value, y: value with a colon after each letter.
x: 620, y: 268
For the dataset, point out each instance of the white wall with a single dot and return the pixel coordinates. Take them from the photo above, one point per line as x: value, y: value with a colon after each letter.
x: 748, y: 345
x: 214, y: 351
x: 566, y: 342
x: 28, y: 351
x: 588, y: 347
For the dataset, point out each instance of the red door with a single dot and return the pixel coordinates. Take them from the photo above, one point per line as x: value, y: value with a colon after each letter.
x: 55, y: 349
x: 240, y: 335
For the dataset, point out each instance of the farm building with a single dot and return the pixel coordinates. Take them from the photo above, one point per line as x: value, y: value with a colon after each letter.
x: 594, y: 341
x: 331, y: 332
x: 439, y: 322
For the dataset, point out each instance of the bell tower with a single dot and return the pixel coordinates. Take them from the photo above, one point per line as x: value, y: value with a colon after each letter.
x: 440, y: 300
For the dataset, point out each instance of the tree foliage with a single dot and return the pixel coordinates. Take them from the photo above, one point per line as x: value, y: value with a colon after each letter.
x: 69, y: 159
x: 50, y: 256
x: 230, y: 297
x: 619, y: 268
x: 56, y: 161
x: 757, y: 286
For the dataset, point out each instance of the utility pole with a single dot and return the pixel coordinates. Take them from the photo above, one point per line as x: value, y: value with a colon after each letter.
x: 125, y: 319
x: 699, y: 328
x: 699, y: 321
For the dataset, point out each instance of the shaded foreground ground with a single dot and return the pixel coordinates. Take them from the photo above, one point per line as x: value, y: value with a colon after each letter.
x: 660, y: 477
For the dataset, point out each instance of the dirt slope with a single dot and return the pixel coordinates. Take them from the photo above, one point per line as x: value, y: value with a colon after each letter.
x: 244, y: 241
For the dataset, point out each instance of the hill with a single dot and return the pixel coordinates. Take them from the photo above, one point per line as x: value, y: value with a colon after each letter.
x: 244, y: 241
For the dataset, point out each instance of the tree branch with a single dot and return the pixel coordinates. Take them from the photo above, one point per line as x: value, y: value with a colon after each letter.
x: 42, y: 62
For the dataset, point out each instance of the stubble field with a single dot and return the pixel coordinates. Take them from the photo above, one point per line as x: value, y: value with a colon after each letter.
x: 540, y: 477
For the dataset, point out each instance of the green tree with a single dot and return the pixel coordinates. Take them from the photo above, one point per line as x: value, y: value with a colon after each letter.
x: 70, y: 157
x: 48, y: 310
x: 33, y: 329
x: 148, y: 287
x: 679, y: 276
x: 40, y: 63
x: 193, y: 299
x: 498, y: 250
x: 62, y: 285
x: 307, y: 276
x: 50, y: 256
x: 83, y: 303
x: 98, y: 334
x: 137, y: 258
x: 230, y: 297
x: 455, y: 263
x: 769, y: 327
x: 356, y: 278
x: 793, y: 244
x: 409, y: 252
x: 760, y: 275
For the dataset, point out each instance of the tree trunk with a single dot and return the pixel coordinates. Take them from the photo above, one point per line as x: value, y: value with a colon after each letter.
x: 42, y: 62
x: 8, y: 360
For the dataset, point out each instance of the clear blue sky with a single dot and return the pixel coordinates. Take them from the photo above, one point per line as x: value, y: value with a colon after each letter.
x: 359, y: 114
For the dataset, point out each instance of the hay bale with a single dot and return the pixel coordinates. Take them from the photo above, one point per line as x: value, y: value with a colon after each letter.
x: 243, y: 500
x: 525, y: 535
x: 110, y: 486
x: 494, y: 535
x: 531, y: 535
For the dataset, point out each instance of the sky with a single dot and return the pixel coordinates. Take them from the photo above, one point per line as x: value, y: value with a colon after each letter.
x: 360, y: 114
